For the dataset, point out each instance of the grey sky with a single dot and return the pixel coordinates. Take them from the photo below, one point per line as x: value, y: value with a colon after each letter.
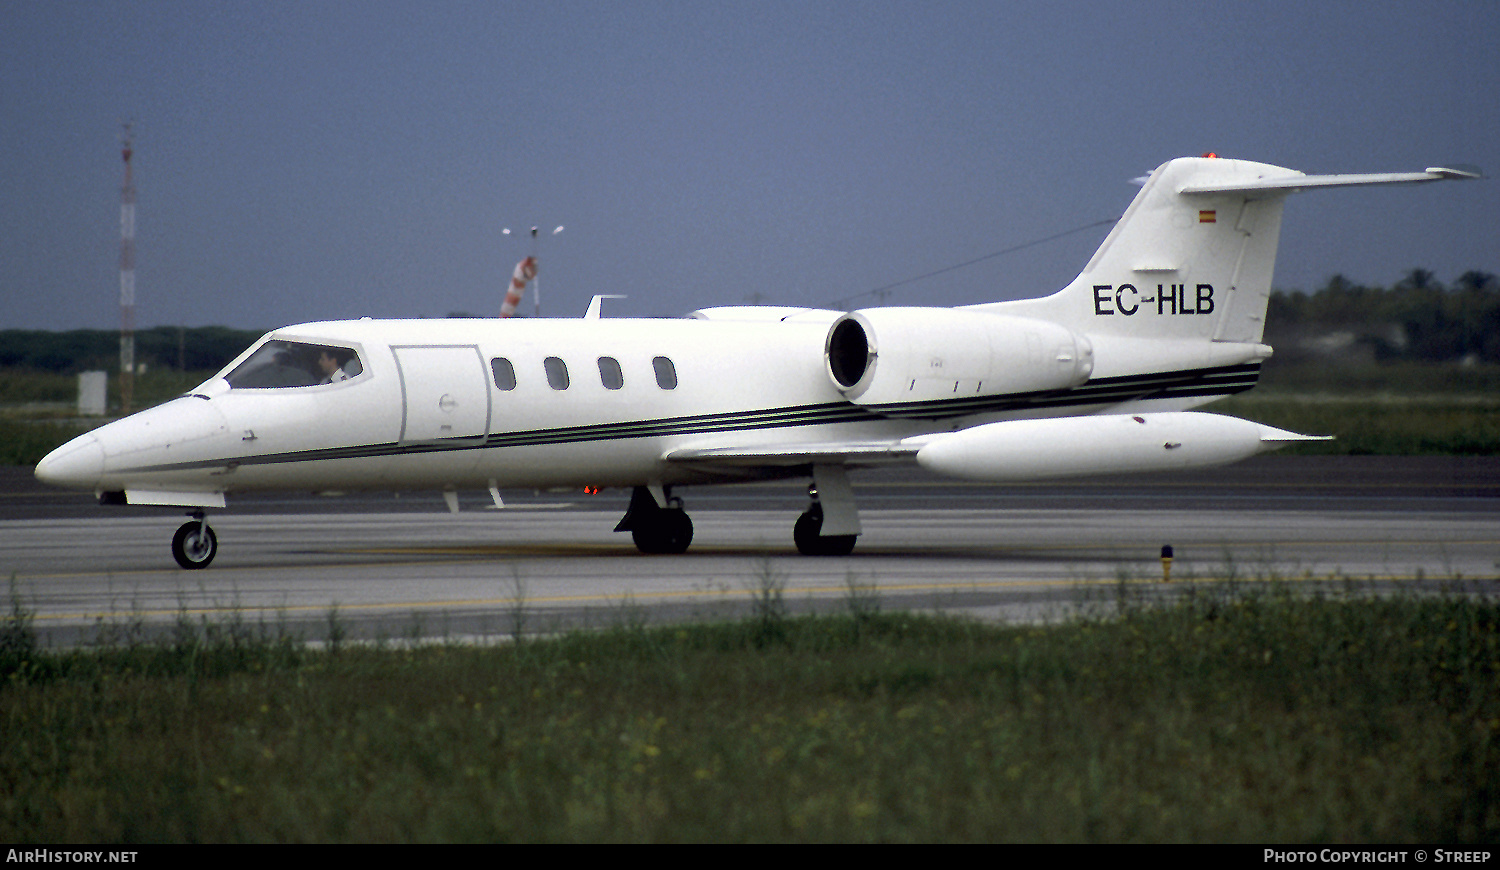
x: 313, y: 160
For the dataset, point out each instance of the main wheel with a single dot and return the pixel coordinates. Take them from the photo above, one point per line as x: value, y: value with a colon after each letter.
x: 194, y: 545
x: 668, y: 531
x: 806, y: 534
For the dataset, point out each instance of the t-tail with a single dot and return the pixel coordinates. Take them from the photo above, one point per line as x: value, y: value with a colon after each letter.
x: 1185, y: 275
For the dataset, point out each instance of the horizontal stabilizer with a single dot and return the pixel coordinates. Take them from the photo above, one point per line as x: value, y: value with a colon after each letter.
x: 1295, y: 181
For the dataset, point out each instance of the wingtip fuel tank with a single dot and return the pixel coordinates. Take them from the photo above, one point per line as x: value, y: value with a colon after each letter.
x: 1018, y: 450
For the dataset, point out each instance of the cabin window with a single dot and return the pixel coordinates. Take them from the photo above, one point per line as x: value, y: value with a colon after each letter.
x: 279, y: 363
x: 610, y: 374
x: 504, y: 372
x: 557, y: 373
x: 666, y: 373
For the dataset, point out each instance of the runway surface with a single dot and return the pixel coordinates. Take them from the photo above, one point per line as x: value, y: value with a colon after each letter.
x: 386, y: 566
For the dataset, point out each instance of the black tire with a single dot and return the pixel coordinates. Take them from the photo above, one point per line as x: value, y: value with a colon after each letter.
x: 668, y: 531
x: 194, y: 545
x: 810, y: 543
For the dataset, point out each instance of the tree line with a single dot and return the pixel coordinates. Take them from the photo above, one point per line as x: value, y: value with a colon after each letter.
x: 1418, y: 318
x: 201, y: 348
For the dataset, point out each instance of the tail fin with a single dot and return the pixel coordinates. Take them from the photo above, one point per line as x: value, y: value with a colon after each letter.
x: 1187, y: 265
x: 1192, y: 258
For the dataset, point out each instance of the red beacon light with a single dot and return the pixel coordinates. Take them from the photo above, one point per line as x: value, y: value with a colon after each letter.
x: 1211, y: 155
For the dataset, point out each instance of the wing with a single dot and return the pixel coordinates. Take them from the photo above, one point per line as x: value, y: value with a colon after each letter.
x: 1020, y: 450
x: 855, y: 454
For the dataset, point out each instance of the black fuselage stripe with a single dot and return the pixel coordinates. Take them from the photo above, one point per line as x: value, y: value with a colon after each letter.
x: 1198, y: 382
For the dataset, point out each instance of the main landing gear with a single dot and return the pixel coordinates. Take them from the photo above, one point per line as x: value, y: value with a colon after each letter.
x: 808, y: 532
x: 195, y: 544
x: 829, y: 526
x: 654, y: 528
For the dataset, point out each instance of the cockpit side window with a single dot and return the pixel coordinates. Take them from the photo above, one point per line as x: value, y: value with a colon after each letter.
x: 279, y: 363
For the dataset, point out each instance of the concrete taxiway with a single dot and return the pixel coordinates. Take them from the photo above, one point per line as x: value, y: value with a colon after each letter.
x: 401, y: 567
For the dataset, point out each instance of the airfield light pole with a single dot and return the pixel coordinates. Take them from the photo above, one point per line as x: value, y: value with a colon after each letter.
x: 536, y: 297
x: 536, y: 281
x: 127, y: 282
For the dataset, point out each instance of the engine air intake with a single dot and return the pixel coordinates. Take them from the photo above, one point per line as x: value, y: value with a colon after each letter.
x: 880, y: 356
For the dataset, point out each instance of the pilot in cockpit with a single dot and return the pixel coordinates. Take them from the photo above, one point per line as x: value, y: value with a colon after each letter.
x: 330, y: 367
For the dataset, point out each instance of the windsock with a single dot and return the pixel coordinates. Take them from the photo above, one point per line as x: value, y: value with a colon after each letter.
x: 525, y: 271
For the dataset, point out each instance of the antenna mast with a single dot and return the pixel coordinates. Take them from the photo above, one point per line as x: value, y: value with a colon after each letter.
x: 127, y: 281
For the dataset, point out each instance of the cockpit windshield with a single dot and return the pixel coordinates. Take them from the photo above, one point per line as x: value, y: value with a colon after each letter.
x: 280, y: 363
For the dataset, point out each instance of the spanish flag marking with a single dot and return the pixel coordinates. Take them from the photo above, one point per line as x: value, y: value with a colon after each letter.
x: 1206, y: 216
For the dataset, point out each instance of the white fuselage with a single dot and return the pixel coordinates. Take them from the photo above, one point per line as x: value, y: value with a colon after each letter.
x: 427, y: 410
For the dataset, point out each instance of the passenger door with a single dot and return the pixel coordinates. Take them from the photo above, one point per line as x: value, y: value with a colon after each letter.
x: 445, y: 391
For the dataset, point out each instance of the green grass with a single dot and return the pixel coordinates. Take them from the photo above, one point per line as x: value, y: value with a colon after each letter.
x: 38, y: 409
x: 1241, y: 712
x: 25, y: 442
x: 1391, y: 409
x: 1378, y: 425
x: 26, y: 386
x: 1403, y: 378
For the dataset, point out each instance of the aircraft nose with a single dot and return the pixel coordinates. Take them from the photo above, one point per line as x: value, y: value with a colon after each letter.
x: 78, y: 464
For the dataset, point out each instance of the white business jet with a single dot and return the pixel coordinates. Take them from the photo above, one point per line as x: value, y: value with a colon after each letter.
x: 1094, y: 379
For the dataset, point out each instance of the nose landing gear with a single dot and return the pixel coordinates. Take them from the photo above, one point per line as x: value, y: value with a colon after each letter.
x: 195, y: 543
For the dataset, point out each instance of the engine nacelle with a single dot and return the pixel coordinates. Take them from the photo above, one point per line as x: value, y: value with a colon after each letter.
x: 881, y: 356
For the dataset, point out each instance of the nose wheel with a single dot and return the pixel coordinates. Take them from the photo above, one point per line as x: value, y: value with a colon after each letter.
x: 195, y: 544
